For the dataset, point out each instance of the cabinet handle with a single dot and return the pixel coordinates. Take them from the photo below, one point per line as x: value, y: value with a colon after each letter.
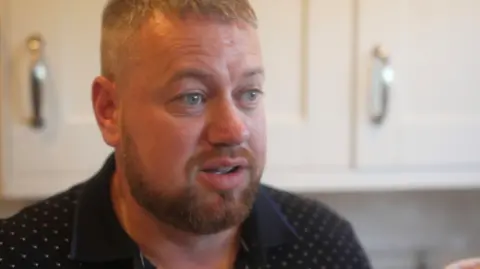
x: 37, y: 77
x: 382, y: 78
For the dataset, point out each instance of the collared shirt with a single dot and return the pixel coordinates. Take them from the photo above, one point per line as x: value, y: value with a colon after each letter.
x: 78, y: 228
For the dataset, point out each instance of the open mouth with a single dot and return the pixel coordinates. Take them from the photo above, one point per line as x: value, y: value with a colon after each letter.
x: 223, y: 170
x: 223, y: 177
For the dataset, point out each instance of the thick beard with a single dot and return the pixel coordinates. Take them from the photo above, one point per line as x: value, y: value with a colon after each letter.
x: 184, y: 209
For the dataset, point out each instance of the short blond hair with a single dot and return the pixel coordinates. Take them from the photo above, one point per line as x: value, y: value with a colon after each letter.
x: 120, y: 18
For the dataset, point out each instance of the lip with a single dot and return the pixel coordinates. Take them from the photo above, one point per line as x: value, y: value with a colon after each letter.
x: 224, y: 162
x: 223, y: 182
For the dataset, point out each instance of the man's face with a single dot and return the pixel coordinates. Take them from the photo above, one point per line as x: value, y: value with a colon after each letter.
x: 192, y: 125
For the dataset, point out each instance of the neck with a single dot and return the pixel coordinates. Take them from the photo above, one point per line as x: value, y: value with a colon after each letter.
x: 167, y: 246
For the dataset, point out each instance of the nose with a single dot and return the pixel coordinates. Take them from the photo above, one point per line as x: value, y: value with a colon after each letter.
x: 226, y: 126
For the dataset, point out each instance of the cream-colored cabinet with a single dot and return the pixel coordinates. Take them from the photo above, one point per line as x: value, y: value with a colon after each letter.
x: 432, y: 117
x: 68, y: 148
x: 308, y: 60
x: 324, y: 88
x: 423, y: 85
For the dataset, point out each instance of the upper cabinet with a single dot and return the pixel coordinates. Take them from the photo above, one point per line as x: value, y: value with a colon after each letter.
x: 361, y: 94
x: 311, y: 125
x: 307, y: 57
x: 67, y: 148
x: 418, y: 85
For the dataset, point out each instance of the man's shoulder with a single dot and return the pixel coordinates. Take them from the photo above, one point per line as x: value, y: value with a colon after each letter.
x: 50, y: 209
x: 325, y: 237
x: 39, y: 233
x: 302, y: 209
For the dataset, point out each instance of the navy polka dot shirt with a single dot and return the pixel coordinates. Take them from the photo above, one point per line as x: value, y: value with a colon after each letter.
x: 78, y: 229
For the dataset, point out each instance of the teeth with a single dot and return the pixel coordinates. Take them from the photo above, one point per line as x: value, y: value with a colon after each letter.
x: 224, y: 170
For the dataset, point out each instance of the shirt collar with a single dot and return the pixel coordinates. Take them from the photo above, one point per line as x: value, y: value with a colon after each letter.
x: 99, y: 237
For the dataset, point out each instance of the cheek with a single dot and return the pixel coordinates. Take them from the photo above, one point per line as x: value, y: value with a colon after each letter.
x: 164, y: 147
x: 258, y: 139
x: 173, y: 145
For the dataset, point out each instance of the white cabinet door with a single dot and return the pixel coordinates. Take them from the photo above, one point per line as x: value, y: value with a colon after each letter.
x: 432, y: 119
x: 307, y: 52
x: 69, y: 149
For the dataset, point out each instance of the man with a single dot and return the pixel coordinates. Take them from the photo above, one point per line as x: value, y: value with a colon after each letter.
x: 180, y: 100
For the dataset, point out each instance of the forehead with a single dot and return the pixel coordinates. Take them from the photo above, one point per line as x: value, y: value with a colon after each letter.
x: 200, y: 29
x: 165, y: 42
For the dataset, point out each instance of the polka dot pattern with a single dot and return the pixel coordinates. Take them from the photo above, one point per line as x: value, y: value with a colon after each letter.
x: 326, y: 240
x: 40, y: 236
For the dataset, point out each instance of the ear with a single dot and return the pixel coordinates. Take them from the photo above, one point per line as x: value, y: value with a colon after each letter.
x: 106, y: 107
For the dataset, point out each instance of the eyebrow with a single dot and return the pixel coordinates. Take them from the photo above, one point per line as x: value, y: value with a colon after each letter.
x: 200, y: 74
x: 254, y: 72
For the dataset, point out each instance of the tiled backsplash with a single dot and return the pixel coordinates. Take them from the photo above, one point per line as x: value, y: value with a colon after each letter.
x: 394, y: 226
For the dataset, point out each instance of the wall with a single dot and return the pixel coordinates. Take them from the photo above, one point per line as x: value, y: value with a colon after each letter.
x: 8, y: 208
x: 393, y: 226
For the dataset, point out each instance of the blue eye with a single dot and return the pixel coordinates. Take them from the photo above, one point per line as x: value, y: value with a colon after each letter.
x: 193, y: 99
x: 250, y: 96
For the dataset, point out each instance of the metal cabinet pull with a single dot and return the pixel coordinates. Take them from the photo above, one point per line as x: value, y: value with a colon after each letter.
x: 382, y: 78
x: 37, y: 77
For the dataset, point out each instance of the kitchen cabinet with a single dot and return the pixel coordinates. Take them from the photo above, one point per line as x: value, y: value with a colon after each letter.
x: 322, y: 84
x: 312, y: 145
x: 69, y: 148
x: 306, y: 56
x: 432, y: 119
